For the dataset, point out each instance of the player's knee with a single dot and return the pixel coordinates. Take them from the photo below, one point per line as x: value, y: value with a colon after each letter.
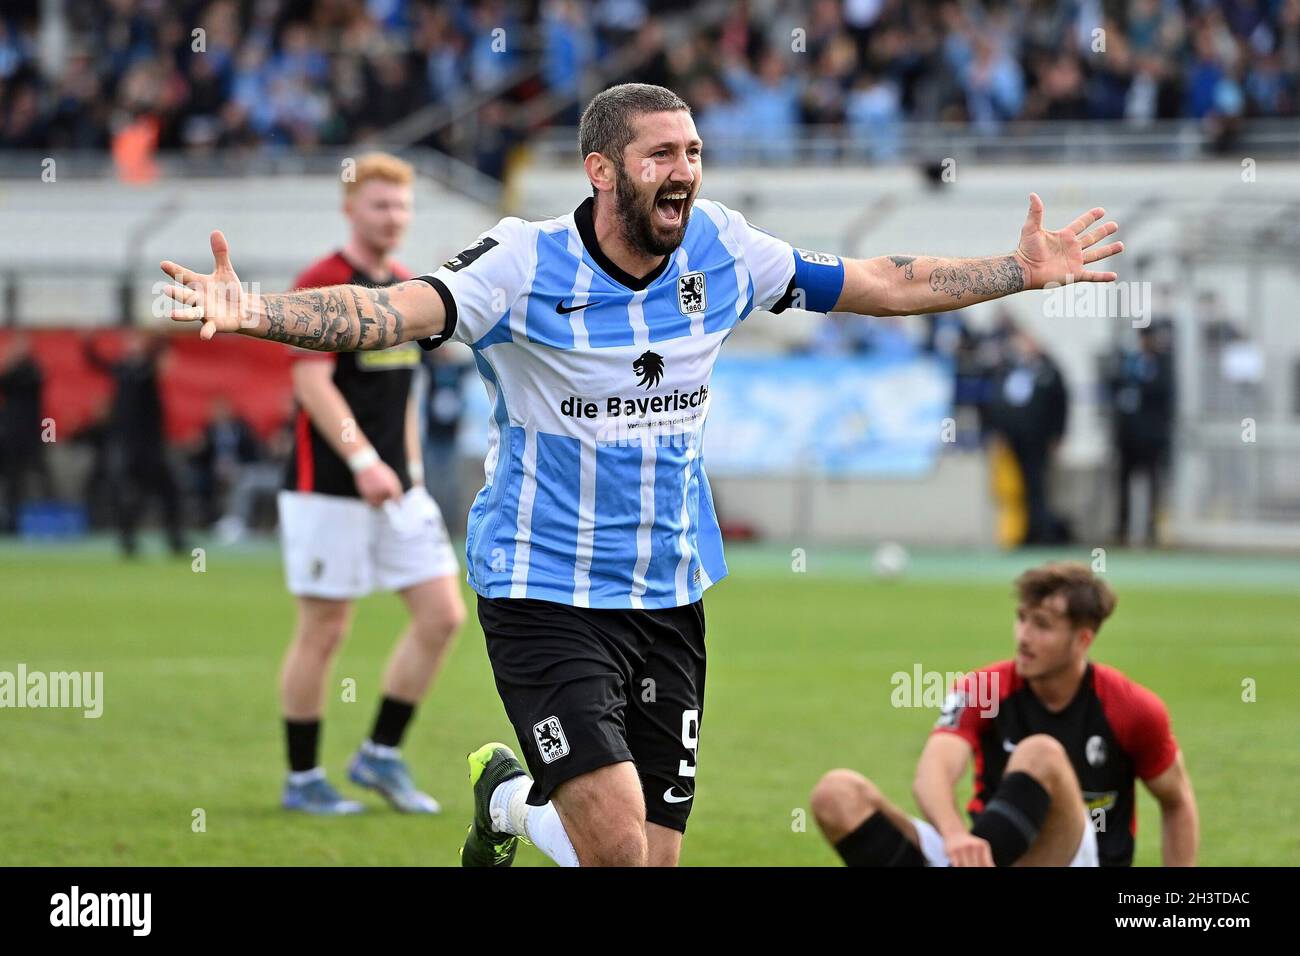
x: 604, y: 815
x: 322, y: 641
x: 437, y: 625
x: 437, y: 611
x: 620, y: 842
x: 841, y: 798
x: 1040, y: 755
x: 607, y: 832
x: 322, y: 631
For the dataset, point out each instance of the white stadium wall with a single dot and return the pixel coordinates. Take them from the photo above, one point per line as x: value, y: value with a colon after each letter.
x: 69, y: 242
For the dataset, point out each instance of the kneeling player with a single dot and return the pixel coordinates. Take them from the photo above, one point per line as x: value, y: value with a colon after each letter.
x: 1057, y: 741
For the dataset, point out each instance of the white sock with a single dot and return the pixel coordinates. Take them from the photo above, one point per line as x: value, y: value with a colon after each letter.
x: 546, y: 831
x: 299, y: 777
x: 540, y: 826
x: 514, y: 790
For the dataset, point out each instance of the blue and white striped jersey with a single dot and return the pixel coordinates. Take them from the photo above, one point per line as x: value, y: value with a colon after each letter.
x: 595, y: 491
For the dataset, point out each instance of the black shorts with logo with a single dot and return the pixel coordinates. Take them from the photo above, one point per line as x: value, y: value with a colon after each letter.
x: 590, y: 687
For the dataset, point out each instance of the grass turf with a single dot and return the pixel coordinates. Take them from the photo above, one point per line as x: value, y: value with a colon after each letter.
x: 799, y: 682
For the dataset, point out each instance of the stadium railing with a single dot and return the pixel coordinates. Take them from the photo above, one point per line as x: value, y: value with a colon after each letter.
x: 917, y: 142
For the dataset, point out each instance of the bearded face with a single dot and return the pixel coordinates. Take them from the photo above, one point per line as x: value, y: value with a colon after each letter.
x: 653, y: 216
x: 656, y: 181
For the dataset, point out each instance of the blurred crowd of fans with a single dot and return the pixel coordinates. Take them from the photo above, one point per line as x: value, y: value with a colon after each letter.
x: 201, y: 74
x: 871, y: 63
x: 135, y: 74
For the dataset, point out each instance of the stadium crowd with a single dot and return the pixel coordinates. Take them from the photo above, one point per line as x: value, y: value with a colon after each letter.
x: 201, y: 74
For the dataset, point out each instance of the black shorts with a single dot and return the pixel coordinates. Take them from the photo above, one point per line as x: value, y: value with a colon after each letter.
x: 590, y: 687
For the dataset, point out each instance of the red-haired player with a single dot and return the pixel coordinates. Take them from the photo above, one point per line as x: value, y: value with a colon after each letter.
x: 355, y: 516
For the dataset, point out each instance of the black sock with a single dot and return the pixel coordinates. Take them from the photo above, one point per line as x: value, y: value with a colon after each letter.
x: 390, y: 724
x: 878, y: 843
x: 304, y: 740
x: 1011, y: 820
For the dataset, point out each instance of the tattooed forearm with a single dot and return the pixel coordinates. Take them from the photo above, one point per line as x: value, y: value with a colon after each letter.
x: 979, y: 277
x: 915, y: 285
x: 904, y: 263
x: 313, y: 319
x: 387, y: 324
x: 335, y: 319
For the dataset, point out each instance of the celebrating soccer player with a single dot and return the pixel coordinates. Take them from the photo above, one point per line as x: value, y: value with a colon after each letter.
x: 594, y: 538
x: 1057, y: 741
x: 355, y: 516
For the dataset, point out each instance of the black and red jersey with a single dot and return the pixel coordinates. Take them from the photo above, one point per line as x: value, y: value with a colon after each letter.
x: 376, y: 385
x: 1115, y: 731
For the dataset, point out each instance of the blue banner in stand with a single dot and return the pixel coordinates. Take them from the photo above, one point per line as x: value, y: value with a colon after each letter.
x: 786, y: 415
x: 834, y: 416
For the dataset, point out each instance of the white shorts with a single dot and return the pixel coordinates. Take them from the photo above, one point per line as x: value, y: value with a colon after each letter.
x: 341, y: 548
x: 932, y: 845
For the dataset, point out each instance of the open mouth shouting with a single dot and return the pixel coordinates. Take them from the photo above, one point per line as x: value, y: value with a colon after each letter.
x: 670, y: 207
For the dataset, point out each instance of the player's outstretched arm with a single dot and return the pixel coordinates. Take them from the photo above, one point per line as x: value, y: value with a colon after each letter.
x: 910, y: 285
x: 341, y: 318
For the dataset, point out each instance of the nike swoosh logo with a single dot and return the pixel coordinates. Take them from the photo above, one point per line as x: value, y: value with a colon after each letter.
x: 1008, y: 745
x: 561, y: 309
x: 670, y: 797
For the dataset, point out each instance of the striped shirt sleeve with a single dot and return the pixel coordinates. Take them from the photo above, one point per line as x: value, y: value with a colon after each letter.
x: 785, y: 276
x: 479, y: 284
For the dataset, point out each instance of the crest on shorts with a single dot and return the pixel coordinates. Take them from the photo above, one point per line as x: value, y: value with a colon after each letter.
x: 690, y: 293
x: 551, y: 742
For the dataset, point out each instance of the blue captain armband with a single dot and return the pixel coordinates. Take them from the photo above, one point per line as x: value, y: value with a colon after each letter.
x: 817, y: 282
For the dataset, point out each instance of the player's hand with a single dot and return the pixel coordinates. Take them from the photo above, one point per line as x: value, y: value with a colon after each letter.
x: 966, y: 849
x: 1061, y: 256
x: 378, y: 483
x: 215, y: 298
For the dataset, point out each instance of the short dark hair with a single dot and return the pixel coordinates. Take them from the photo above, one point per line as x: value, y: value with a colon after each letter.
x: 1088, y: 599
x: 606, y: 124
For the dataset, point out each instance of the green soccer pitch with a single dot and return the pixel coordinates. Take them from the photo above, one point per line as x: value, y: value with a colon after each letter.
x: 799, y: 681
